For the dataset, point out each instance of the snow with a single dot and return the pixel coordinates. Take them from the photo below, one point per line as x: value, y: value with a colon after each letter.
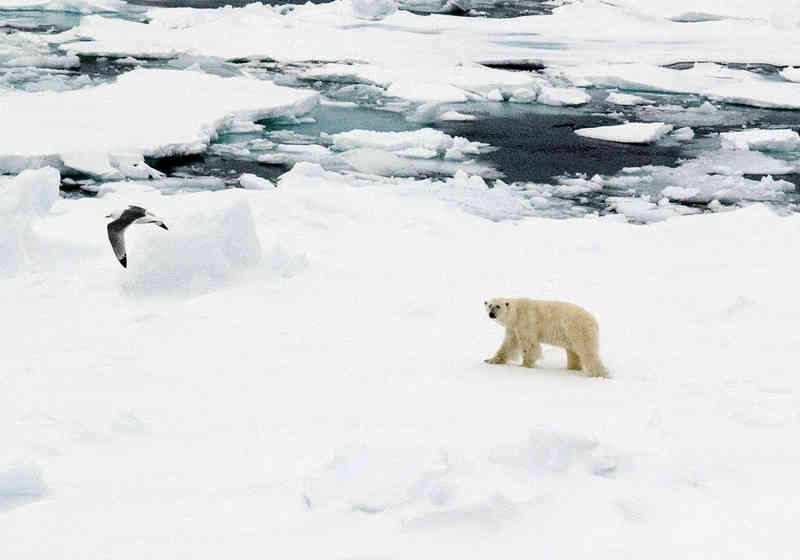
x: 158, y: 119
x: 631, y: 133
x: 309, y: 360
x: 299, y: 367
x: 761, y: 139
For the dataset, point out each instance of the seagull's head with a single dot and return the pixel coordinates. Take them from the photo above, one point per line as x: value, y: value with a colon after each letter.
x: 114, y: 215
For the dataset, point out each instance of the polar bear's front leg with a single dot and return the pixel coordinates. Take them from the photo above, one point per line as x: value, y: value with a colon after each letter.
x: 530, y: 353
x: 509, y: 349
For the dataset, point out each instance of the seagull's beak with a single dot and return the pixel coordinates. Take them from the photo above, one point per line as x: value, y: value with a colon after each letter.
x: 110, y: 216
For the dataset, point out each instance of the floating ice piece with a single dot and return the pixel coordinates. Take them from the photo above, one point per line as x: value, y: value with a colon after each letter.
x: 145, y: 111
x: 685, y: 134
x: 373, y: 9
x: 133, y: 166
x: 626, y: 99
x: 45, y: 61
x: 761, y: 139
x: 456, y: 116
x: 378, y: 162
x: 427, y: 138
x: 791, y: 73
x: 630, y: 133
x: 426, y: 92
x: 74, y: 6
x: 251, y: 181
x: 523, y: 95
x: 680, y: 193
x: 643, y: 210
x: 711, y: 80
x: 563, y: 96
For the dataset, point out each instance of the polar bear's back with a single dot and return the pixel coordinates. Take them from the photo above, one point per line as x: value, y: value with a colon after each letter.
x: 556, y: 322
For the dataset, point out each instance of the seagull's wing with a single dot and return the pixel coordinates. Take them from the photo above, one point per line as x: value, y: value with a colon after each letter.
x: 116, y: 235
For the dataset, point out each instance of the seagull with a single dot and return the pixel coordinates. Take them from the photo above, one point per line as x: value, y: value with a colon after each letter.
x: 121, y: 220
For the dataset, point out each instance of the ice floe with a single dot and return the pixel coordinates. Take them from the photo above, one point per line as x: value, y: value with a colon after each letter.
x: 761, y: 139
x: 630, y: 133
x: 145, y: 112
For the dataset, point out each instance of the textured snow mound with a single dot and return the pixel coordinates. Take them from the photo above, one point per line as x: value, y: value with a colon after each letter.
x: 212, y: 238
x: 23, y: 199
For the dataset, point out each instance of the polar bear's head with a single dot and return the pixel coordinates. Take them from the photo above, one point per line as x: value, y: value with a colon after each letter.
x: 499, y: 309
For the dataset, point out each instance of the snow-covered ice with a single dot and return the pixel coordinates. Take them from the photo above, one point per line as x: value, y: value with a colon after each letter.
x: 627, y: 99
x: 308, y: 359
x: 297, y: 366
x: 761, y: 139
x: 144, y: 111
x: 630, y: 133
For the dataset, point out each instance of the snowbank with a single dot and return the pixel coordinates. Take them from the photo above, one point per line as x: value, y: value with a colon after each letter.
x: 323, y: 341
x: 631, y: 133
x: 211, y: 241
x: 145, y: 112
x: 23, y: 199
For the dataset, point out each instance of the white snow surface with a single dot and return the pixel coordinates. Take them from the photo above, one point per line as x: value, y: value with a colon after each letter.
x: 145, y: 112
x: 791, y: 73
x: 301, y: 369
x: 630, y: 133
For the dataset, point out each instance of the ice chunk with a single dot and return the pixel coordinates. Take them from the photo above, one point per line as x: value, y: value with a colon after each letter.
x: 145, y: 111
x: 761, y: 139
x: 563, y: 96
x: 456, y: 116
x: 680, y: 193
x: 76, y: 6
x: 685, y: 134
x: 51, y: 61
x: 23, y: 198
x: 791, y: 74
x: 133, y: 166
x: 251, y: 181
x: 426, y: 92
x: 427, y: 138
x: 643, y: 210
x: 212, y: 239
x: 631, y: 133
x: 373, y: 9
x: 626, y: 99
x: 378, y: 162
x: 523, y: 95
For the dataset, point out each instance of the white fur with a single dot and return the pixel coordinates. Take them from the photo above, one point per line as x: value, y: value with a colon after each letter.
x: 529, y: 323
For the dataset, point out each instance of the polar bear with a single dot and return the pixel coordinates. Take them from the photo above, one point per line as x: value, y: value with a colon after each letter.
x: 529, y: 322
